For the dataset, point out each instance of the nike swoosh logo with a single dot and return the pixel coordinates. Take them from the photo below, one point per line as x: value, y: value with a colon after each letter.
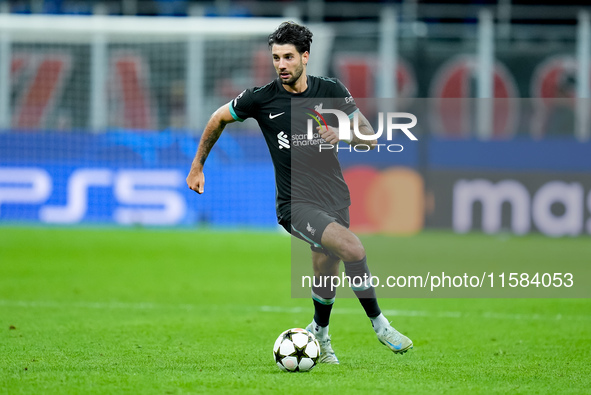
x: 271, y: 116
x: 395, y: 347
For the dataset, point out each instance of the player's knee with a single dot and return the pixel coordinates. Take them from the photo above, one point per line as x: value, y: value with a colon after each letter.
x: 325, y: 265
x: 352, y: 252
x: 322, y: 271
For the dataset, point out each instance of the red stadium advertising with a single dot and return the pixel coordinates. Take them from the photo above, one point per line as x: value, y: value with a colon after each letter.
x: 359, y: 73
x: 554, y: 89
x: 456, y: 79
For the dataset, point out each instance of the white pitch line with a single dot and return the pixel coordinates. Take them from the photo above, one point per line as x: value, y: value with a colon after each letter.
x: 289, y: 310
x: 440, y: 314
x: 94, y: 305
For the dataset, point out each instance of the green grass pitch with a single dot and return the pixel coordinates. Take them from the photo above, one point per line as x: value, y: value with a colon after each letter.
x: 144, y: 311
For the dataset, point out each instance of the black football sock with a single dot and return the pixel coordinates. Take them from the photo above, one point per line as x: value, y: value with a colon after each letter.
x: 360, y: 278
x: 323, y: 298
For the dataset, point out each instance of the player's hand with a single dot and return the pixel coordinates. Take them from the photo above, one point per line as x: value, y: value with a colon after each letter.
x: 195, y: 180
x: 330, y: 135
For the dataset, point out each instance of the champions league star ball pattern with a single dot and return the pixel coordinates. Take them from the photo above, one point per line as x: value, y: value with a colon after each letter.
x: 296, y: 350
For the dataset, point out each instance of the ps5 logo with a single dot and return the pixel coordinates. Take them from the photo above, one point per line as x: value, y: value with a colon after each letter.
x: 141, y: 196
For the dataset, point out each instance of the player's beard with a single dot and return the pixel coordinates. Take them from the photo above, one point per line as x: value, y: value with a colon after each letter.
x: 295, y: 76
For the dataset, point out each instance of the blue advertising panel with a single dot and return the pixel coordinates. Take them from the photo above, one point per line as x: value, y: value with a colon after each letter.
x: 128, y: 177
x: 133, y: 178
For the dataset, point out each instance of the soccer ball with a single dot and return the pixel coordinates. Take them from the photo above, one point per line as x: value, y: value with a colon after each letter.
x: 296, y: 350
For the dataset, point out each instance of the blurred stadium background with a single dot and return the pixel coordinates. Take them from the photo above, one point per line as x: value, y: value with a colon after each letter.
x: 102, y: 104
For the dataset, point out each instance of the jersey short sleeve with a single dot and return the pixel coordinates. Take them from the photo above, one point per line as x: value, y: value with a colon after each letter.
x: 347, y: 105
x: 243, y: 106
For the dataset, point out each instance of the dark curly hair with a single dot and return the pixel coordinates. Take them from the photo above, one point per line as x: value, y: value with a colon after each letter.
x: 292, y: 33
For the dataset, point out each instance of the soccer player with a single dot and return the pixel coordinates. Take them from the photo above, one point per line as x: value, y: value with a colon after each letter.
x: 312, y: 197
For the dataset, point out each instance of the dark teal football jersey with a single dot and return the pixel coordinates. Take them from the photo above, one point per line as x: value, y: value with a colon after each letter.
x: 303, y: 172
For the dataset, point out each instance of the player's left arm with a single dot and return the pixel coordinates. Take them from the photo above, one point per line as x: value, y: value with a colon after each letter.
x: 365, y: 129
x: 348, y: 106
x: 331, y: 134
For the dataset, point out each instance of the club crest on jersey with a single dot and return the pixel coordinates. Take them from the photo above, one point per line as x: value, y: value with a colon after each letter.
x: 317, y: 116
x: 283, y: 140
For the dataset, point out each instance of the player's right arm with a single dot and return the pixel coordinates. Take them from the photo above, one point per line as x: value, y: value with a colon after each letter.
x: 216, y: 124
